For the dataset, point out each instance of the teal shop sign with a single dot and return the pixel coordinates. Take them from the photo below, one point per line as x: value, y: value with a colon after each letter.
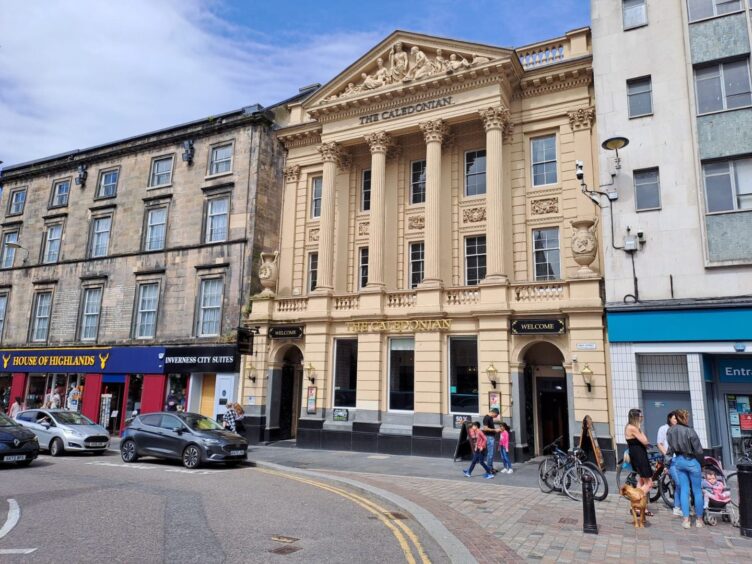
x: 735, y: 370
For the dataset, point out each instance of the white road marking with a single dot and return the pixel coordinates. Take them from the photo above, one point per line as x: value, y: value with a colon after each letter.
x: 145, y: 467
x: 14, y: 514
x: 17, y: 550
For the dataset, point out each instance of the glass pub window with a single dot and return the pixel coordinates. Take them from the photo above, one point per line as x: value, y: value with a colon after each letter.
x: 546, y: 253
x: 345, y: 372
x: 639, y: 95
x: 463, y: 374
x: 416, y: 263
x: 634, y: 12
x: 475, y: 260
x: 365, y: 191
x: 647, y: 189
x: 402, y: 374
x: 475, y: 173
x: 701, y: 9
x: 363, y: 268
x: 723, y: 87
x: 544, y: 160
x: 418, y: 182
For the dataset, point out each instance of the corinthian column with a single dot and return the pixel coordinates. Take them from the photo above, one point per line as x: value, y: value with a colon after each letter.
x: 495, y: 121
x: 379, y: 143
x: 332, y: 156
x: 434, y: 132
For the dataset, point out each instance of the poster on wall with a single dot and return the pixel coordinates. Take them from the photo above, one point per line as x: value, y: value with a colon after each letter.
x: 733, y: 417
x: 494, y: 401
x: 104, y: 409
x: 745, y: 421
x: 311, y: 400
x: 736, y: 432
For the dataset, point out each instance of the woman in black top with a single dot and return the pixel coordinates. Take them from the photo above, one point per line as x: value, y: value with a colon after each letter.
x: 638, y: 453
x: 685, y: 444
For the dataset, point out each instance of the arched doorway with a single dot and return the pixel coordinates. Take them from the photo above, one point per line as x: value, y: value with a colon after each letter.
x: 546, y: 396
x: 290, y: 389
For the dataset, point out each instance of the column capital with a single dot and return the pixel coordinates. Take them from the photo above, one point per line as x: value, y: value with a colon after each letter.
x: 496, y: 117
x: 581, y: 118
x: 434, y: 131
x: 331, y: 152
x: 379, y: 141
x: 292, y: 173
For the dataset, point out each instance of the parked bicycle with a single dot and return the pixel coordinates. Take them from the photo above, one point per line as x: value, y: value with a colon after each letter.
x: 563, y: 472
x: 626, y: 474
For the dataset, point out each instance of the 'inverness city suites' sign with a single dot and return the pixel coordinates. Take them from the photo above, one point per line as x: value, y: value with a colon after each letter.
x: 407, y: 110
x: 218, y: 358
x: 538, y: 326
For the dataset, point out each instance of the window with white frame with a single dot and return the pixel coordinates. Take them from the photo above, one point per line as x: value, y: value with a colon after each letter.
x: 728, y: 185
x: 546, y: 253
x: 365, y: 191
x: 60, y: 193
x: 634, y: 12
x: 147, y: 305
x: 210, y: 307
x: 156, y: 228
x: 418, y: 182
x: 161, y: 171
x: 723, y: 87
x: 9, y: 253
x: 221, y: 159
x: 217, y: 219
x: 463, y: 374
x: 100, y: 236
x: 402, y: 374
x: 345, y: 372
x: 17, y: 201
x: 91, y: 303
x: 3, y: 311
x: 475, y: 259
x: 313, y: 271
x: 108, y: 180
x: 640, y: 96
x: 701, y: 9
x: 475, y: 173
x: 316, y: 187
x: 647, y: 189
x: 52, y: 238
x: 543, y: 150
x: 363, y: 267
x: 40, y: 325
x: 417, y: 256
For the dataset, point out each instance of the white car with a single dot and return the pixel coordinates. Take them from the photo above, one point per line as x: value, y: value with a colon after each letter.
x: 59, y: 430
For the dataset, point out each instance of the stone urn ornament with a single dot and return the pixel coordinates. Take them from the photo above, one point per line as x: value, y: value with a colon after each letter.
x: 584, y: 245
x: 268, y: 273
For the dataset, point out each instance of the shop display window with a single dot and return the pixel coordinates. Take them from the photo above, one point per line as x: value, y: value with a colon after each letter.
x: 345, y: 372
x: 740, y: 423
x: 5, y: 399
x: 463, y: 374
x: 133, y: 403
x: 176, y: 397
x: 402, y: 374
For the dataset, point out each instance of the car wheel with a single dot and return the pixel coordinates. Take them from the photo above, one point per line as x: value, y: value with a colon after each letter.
x: 56, y: 447
x: 128, y: 451
x: 191, y: 457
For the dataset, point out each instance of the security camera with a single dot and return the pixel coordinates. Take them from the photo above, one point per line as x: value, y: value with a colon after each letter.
x: 640, y: 234
x: 579, y: 170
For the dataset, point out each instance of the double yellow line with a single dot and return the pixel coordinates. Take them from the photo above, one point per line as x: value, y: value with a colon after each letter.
x: 380, y: 513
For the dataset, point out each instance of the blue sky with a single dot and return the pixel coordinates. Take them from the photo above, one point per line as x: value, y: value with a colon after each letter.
x: 85, y: 72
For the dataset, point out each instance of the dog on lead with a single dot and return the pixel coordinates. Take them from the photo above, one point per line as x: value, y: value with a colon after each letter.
x: 638, y: 503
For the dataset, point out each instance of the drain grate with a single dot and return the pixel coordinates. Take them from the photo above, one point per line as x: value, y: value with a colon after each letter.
x: 285, y: 549
x: 567, y: 521
x: 283, y: 538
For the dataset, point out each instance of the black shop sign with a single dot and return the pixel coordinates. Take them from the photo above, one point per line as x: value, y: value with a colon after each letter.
x: 538, y: 327
x: 286, y: 332
x: 222, y: 358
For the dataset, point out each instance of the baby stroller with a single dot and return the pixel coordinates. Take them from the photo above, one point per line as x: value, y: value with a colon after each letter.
x: 718, y: 496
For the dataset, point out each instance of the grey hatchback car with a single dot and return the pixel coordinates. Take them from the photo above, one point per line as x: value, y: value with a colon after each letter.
x: 188, y: 437
x: 60, y: 430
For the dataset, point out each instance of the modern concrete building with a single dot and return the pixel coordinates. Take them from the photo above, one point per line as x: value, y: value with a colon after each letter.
x: 673, y: 77
x: 437, y: 256
x: 125, y: 268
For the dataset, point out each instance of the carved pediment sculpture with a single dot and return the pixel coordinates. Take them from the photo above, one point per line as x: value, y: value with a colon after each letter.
x: 402, y: 67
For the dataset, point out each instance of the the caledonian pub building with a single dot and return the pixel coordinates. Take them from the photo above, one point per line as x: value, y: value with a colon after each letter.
x: 437, y: 254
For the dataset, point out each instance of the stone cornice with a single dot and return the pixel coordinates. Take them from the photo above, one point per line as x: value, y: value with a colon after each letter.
x: 300, y: 136
x: 554, y: 80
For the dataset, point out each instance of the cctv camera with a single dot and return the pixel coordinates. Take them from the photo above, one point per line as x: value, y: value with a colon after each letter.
x: 579, y: 170
x: 640, y: 234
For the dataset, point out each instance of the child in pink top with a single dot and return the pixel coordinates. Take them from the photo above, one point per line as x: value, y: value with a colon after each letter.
x: 504, y: 449
x: 479, y: 443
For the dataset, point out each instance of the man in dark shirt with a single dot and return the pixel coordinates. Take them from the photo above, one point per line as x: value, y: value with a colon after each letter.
x: 490, y: 431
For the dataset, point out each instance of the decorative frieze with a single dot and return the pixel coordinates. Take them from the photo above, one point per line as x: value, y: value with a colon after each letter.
x: 416, y: 222
x: 362, y: 228
x: 544, y: 206
x: 313, y: 234
x: 581, y: 118
x: 473, y: 215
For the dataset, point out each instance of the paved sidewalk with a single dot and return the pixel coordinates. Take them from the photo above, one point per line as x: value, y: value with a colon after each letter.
x: 509, y: 519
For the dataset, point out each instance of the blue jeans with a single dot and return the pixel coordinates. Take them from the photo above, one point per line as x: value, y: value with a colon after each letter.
x: 478, y: 459
x: 690, y: 475
x: 677, y: 487
x: 505, y: 457
x: 490, y: 456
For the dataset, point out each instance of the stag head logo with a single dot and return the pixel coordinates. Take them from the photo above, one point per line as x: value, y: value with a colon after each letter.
x: 103, y: 360
x: 6, y: 360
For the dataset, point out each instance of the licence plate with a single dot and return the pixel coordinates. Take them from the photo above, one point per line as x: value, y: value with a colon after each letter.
x: 97, y: 444
x: 237, y: 452
x: 14, y: 458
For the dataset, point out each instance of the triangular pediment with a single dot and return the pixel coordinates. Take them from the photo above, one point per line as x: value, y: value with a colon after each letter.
x: 405, y: 59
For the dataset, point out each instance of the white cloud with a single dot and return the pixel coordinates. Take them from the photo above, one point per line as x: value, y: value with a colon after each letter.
x: 76, y: 74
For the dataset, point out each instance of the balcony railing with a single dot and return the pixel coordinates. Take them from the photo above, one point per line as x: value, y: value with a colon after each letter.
x: 346, y: 303
x: 462, y: 296
x: 396, y: 300
x: 540, y: 55
x: 540, y: 292
x: 288, y: 305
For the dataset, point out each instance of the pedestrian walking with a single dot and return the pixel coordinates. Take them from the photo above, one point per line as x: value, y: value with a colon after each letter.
x: 230, y: 417
x: 638, y: 451
x: 490, y: 431
x: 240, y: 414
x: 662, y: 444
x: 504, y: 449
x: 479, y: 443
x: 684, y: 443
x: 15, y: 408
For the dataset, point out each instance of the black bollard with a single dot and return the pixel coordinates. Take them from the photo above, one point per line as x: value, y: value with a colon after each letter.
x: 589, y: 524
x: 744, y: 476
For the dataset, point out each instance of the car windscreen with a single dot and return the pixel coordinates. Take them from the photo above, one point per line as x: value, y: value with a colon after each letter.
x: 201, y: 423
x: 6, y: 421
x: 72, y: 418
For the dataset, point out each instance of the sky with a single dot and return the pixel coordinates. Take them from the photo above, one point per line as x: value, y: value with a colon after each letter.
x: 78, y: 73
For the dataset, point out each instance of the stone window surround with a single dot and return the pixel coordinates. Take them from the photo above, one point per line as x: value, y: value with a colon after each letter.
x: 218, y: 273
x: 533, y: 250
x: 100, y: 177
x: 89, y: 284
x: 363, y: 190
x: 55, y: 183
x: 528, y: 147
x: 154, y: 160
x: 209, y: 161
x: 465, y: 239
x: 41, y: 287
x: 5, y: 291
x: 409, y: 269
x: 16, y: 228
x: 100, y: 213
x: 465, y: 195
x: 45, y: 239
x: 149, y: 206
x: 142, y: 279
x: 11, y: 193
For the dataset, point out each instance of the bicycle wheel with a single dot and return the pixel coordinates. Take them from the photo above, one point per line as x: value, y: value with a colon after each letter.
x: 732, y: 483
x: 546, y: 474
x: 572, y: 481
x: 668, y: 489
x: 600, y: 488
x: 625, y: 473
x: 655, y: 491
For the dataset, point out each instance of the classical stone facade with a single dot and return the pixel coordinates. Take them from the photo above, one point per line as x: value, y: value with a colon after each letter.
x: 434, y: 289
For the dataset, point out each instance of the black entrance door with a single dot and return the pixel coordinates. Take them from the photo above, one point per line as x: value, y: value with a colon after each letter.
x: 286, y: 398
x: 553, y: 418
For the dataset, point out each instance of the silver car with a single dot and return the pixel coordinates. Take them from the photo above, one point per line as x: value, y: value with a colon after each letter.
x: 59, y: 430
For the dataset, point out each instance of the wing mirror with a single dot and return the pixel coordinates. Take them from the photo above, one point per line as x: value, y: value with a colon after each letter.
x: 46, y: 424
x: 178, y: 430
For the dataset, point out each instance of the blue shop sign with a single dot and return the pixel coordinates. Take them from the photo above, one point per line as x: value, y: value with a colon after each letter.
x: 662, y: 326
x: 735, y: 370
x: 94, y: 360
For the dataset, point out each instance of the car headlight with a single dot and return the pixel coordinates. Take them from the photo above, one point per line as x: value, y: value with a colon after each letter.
x: 35, y: 439
x: 211, y: 442
x: 72, y: 433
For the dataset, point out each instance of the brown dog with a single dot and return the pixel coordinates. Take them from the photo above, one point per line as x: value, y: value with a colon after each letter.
x: 638, y: 501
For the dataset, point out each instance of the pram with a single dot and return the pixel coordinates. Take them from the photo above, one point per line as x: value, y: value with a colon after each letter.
x: 718, y: 505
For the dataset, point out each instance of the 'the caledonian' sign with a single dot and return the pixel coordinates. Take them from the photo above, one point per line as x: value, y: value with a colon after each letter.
x: 538, y: 326
x: 402, y: 326
x: 407, y: 110
x: 286, y: 332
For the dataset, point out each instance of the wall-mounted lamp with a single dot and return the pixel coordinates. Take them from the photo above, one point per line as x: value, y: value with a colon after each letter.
x: 491, y: 372
x: 82, y: 174
x: 14, y: 245
x: 614, y: 144
x: 310, y: 370
x: 587, y: 376
x: 188, y: 151
x: 252, y: 374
